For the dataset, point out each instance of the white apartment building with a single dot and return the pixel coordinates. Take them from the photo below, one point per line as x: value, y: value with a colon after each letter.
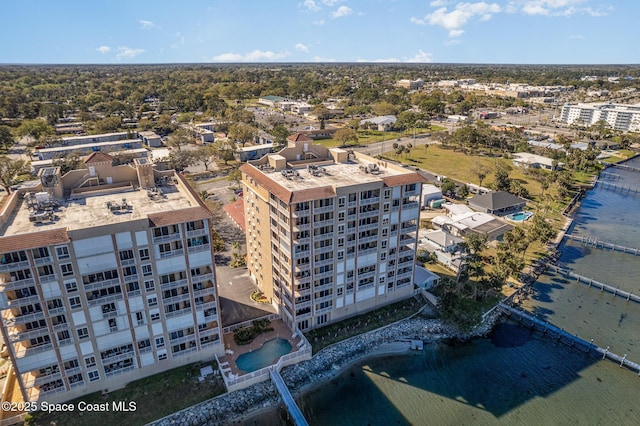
x: 330, y: 234
x: 106, y: 276
x: 625, y: 118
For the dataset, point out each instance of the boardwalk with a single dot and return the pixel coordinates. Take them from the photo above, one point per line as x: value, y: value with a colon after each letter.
x: 567, y: 338
x: 293, y: 408
x: 625, y: 167
x: 597, y: 284
x: 592, y: 241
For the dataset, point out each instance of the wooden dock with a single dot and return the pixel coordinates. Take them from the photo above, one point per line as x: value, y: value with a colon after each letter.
x: 592, y: 241
x: 593, y: 283
x: 567, y: 338
x: 632, y: 190
x: 625, y: 167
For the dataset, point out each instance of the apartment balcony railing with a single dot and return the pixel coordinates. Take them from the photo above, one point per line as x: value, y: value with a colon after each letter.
x: 13, y: 266
x: 324, y: 223
x: 25, y: 352
x: 14, y: 285
x: 370, y: 200
x: 302, y: 227
x: 324, y: 209
x: 197, y: 233
x: 208, y: 332
x: 66, y: 342
x: 27, y: 335
x: 176, y: 299
x: 301, y: 254
x: 106, y: 299
x: 23, y: 319
x: 102, y: 284
x: 48, y: 278
x: 43, y: 380
x: 199, y: 248
x: 165, y: 238
x: 120, y: 370
x: 178, y: 313
x: 368, y: 227
x: 326, y: 249
x: 369, y: 239
x: 127, y: 262
x: 42, y: 260
x: 371, y: 213
x: 174, y: 284
x: 22, y: 301
x: 172, y: 253
x: 367, y: 251
x: 410, y: 206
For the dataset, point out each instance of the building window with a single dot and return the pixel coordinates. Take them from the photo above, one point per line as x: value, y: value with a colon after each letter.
x: 321, y: 319
x: 162, y: 355
x: 93, y: 375
x: 152, y: 300
x: 159, y: 342
x: 341, y: 215
x: 155, y: 315
x: 62, y: 252
x: 340, y: 254
x: 341, y: 201
x: 90, y: 361
x: 71, y: 286
x: 149, y: 285
x: 144, y: 254
x: 75, y: 302
x: 140, y: 319
x: 147, y: 270
x: 67, y: 269
x: 83, y: 333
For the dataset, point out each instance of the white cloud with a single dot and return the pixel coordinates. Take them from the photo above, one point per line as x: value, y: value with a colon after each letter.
x: 331, y: 3
x: 104, y: 49
x: 420, y: 57
x: 458, y: 17
x: 254, y: 56
x: 146, y: 25
x: 452, y: 42
x: 341, y: 12
x: 301, y: 47
x: 439, y: 3
x: 311, y: 5
x: 127, y: 52
x: 554, y: 8
x: 319, y: 22
x: 321, y: 59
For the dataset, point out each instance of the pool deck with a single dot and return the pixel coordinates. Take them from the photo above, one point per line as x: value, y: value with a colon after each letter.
x: 233, y: 350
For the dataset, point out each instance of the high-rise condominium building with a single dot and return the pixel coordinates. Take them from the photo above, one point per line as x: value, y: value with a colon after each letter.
x: 330, y: 233
x: 106, y: 276
x: 625, y: 118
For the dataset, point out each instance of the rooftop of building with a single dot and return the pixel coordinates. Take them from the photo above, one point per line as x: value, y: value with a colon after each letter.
x: 170, y: 201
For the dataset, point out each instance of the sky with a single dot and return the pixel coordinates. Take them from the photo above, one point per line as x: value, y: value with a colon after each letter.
x: 233, y: 31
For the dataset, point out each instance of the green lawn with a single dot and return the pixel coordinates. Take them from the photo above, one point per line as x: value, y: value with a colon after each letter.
x: 458, y: 165
x: 154, y: 396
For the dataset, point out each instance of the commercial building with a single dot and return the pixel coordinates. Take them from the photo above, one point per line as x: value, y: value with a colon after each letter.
x: 625, y: 118
x: 106, y: 276
x: 330, y: 234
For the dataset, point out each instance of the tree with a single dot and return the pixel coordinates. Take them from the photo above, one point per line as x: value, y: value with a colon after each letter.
x: 384, y: 108
x: 180, y: 160
x: 448, y: 187
x: 345, y: 136
x: 243, y: 133
x: 10, y: 171
x: 108, y: 125
x: 38, y: 130
x: 179, y: 138
x: 502, y: 182
x: 235, y: 175
x: 481, y: 171
x: 6, y: 138
x: 224, y: 149
x: 280, y: 135
x: 463, y: 191
x: 71, y: 161
x: 204, y: 154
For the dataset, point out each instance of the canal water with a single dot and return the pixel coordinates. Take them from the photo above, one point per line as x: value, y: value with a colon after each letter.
x: 517, y: 377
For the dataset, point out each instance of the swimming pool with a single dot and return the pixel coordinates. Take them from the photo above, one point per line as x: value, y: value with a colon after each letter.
x: 520, y: 216
x: 266, y: 355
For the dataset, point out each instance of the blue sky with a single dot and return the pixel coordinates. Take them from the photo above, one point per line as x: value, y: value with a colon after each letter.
x: 444, y: 31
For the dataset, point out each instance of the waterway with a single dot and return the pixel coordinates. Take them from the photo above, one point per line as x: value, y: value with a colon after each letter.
x: 517, y: 377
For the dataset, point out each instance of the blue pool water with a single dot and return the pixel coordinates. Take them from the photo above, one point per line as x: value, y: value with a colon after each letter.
x: 268, y: 354
x: 520, y: 216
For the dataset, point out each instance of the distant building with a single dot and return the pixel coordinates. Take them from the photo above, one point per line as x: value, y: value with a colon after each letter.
x: 624, y: 118
x: 383, y: 123
x: 272, y: 101
x: 430, y: 193
x: 410, y: 84
x: 497, y: 202
x: 528, y: 160
x: 150, y: 139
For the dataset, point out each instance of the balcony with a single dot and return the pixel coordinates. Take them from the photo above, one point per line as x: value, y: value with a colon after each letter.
x: 367, y: 251
x: 13, y: 285
x: 43, y: 380
x: 370, y: 213
x: 106, y: 299
x: 127, y: 262
x: 42, y: 260
x: 368, y: 227
x: 172, y: 253
x: 165, y: 238
x: 61, y: 326
x: 199, y: 248
x: 410, y: 206
x: 23, y: 301
x: 324, y: 262
x: 174, y: 284
x: 209, y: 291
x: 183, y: 339
x: 368, y: 239
x: 25, y: 352
x: 26, y: 335
x: 65, y: 342
x: 48, y: 278
x: 324, y: 223
x: 14, y: 266
x: 180, y: 312
x: 197, y: 233
x: 301, y: 254
x: 118, y: 370
x: 23, y: 319
x: 301, y: 227
x: 202, y: 277
x: 325, y: 209
x: 208, y: 332
x: 321, y: 250
x: 408, y: 229
x: 176, y: 299
x: 370, y: 200
x: 101, y: 284
x: 323, y: 275
x: 56, y: 311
